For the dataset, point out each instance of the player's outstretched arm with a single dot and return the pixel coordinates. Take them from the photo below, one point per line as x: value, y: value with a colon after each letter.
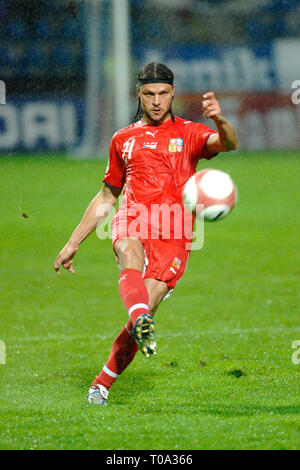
x: 225, y: 139
x: 96, y: 212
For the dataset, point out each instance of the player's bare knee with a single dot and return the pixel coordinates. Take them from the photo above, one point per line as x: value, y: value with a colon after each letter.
x: 130, y: 254
x: 131, y: 258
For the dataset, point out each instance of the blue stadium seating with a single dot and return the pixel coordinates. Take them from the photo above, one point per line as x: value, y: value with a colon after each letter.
x: 62, y: 56
x: 53, y: 42
x: 7, y: 58
x: 16, y: 29
x: 45, y: 29
x: 34, y: 56
x: 71, y: 29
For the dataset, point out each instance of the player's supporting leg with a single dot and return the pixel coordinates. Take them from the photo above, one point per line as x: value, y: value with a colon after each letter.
x: 124, y: 348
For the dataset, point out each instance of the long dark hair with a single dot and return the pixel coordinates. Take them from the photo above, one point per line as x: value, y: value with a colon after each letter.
x: 157, y: 72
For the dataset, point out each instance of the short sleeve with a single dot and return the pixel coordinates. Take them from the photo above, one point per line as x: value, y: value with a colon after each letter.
x: 115, y: 170
x: 199, y: 134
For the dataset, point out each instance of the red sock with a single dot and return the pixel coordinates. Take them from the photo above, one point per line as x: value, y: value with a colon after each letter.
x: 133, y: 292
x: 123, y: 350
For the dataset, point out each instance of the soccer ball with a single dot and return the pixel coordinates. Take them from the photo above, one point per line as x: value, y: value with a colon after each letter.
x: 210, y: 194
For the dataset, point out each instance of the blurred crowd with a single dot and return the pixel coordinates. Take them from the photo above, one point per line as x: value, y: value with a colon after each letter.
x: 215, y: 22
x: 45, y: 38
x: 41, y: 39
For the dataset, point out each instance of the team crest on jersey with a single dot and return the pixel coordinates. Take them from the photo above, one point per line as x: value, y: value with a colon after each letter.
x: 176, y: 145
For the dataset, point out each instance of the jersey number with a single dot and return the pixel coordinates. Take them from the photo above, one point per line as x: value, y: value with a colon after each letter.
x: 127, y: 149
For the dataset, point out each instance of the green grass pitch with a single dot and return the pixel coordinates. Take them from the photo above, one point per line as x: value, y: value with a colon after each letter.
x: 223, y: 377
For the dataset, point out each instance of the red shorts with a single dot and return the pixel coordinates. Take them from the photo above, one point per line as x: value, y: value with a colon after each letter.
x: 164, y: 260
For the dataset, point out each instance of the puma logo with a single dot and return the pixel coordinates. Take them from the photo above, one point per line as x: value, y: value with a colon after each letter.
x: 151, y: 133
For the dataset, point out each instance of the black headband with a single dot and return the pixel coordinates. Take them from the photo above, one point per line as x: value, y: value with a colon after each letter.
x: 145, y: 81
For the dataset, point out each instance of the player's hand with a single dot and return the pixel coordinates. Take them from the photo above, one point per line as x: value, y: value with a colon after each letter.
x: 210, y: 106
x: 65, y: 259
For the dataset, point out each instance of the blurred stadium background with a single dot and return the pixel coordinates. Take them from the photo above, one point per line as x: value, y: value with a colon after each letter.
x: 69, y: 67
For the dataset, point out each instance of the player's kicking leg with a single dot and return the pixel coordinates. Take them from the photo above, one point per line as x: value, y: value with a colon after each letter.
x: 124, y: 348
x: 144, y: 328
x: 133, y: 292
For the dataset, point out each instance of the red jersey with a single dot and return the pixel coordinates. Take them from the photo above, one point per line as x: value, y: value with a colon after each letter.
x: 154, y: 163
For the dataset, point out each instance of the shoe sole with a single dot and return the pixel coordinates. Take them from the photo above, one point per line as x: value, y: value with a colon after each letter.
x: 144, y: 335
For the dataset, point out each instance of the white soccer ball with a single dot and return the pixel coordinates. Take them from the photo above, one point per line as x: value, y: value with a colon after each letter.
x: 210, y: 194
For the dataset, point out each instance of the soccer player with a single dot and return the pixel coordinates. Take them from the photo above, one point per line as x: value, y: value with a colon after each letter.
x: 151, y: 160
